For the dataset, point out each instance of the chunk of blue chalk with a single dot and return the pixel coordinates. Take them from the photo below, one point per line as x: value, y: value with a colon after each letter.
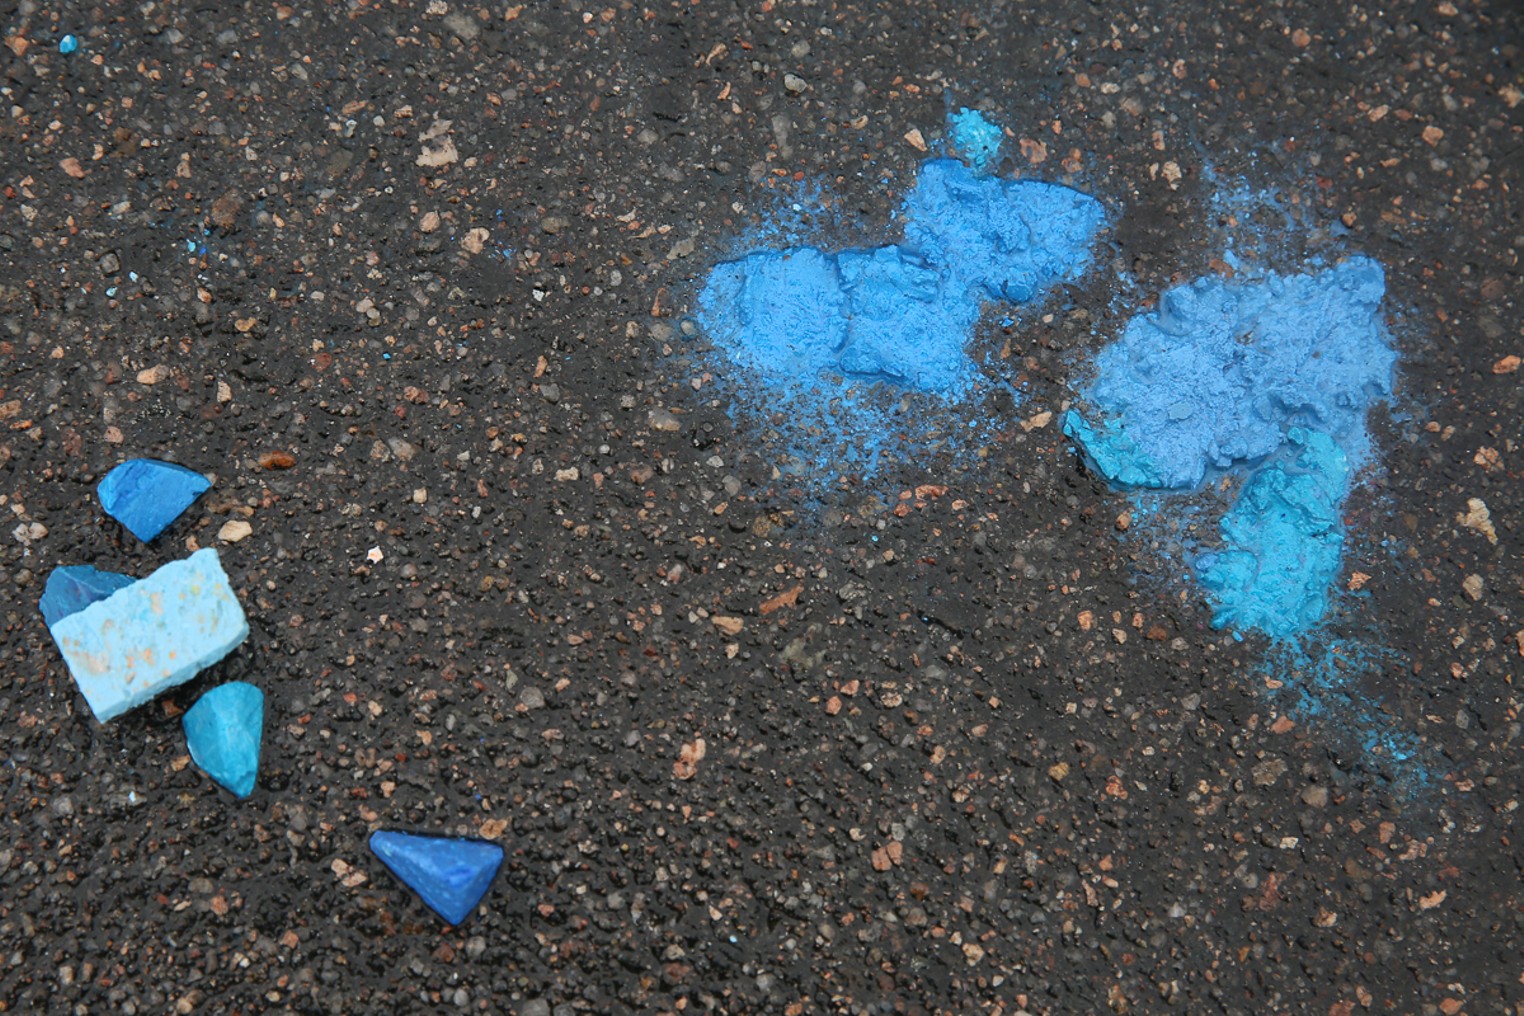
x: 152, y: 635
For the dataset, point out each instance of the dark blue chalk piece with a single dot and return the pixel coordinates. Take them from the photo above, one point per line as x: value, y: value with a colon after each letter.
x: 450, y: 875
x: 146, y: 495
x: 74, y: 587
x: 223, y: 730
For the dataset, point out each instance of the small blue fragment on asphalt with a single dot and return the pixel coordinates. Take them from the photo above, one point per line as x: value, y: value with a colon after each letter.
x: 975, y: 138
x: 449, y: 874
x: 223, y: 730
x: 72, y: 588
x: 147, y: 495
x: 158, y: 632
x: 68, y: 44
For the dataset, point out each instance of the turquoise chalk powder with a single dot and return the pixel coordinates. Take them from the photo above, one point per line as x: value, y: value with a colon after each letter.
x: 1271, y: 379
x: 850, y: 353
x: 975, y: 138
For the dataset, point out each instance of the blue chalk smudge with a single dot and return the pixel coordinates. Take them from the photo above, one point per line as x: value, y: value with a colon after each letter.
x: 975, y: 138
x: 1283, y: 542
x: 829, y: 340
x: 1273, y: 377
x: 1218, y: 373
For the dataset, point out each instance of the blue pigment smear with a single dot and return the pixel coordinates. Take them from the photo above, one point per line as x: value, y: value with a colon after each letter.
x: 1218, y: 373
x: 829, y: 341
x: 975, y: 138
x: 1270, y: 377
x: 1284, y: 542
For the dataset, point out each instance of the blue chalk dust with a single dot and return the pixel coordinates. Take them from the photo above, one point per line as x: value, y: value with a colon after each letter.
x: 450, y: 875
x: 975, y: 138
x: 147, y: 495
x: 815, y: 333
x: 72, y: 588
x: 1283, y: 542
x: 223, y: 731
x: 1271, y: 379
x: 1216, y: 375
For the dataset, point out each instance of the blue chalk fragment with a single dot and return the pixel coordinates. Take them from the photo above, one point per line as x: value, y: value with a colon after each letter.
x: 223, y: 730
x: 152, y: 635
x: 146, y: 495
x: 68, y: 44
x: 74, y: 587
x: 975, y: 138
x: 451, y: 875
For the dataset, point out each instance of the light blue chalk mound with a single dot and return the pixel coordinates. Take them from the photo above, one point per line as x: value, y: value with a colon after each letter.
x: 451, y: 875
x: 146, y: 495
x: 1213, y: 378
x: 152, y: 635
x: 74, y: 587
x: 223, y: 730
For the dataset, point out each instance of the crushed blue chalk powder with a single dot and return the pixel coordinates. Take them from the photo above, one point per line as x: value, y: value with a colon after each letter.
x: 1216, y: 375
x: 901, y: 313
x: 1269, y: 378
x: 850, y: 356
x: 975, y: 138
x: 1282, y: 542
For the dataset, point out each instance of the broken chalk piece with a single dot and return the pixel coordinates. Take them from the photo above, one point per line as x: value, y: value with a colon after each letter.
x: 74, y: 587
x: 152, y: 635
x: 223, y: 730
x: 449, y: 874
x: 146, y: 495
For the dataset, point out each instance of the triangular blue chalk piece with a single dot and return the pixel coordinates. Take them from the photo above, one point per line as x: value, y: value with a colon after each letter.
x: 74, y: 587
x: 451, y: 875
x: 146, y: 495
x: 223, y: 730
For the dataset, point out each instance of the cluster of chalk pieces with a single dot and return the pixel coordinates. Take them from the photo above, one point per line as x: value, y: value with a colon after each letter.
x: 126, y: 640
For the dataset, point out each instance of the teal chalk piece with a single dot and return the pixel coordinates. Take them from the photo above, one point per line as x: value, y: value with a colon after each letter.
x: 147, y: 495
x: 74, y: 587
x: 1282, y: 543
x: 975, y: 138
x: 451, y: 875
x: 223, y: 730
x: 152, y: 635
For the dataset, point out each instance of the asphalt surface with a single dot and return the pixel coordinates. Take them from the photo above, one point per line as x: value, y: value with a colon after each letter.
x: 414, y: 278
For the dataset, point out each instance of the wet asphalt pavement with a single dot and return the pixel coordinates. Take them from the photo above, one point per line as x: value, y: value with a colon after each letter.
x: 410, y: 283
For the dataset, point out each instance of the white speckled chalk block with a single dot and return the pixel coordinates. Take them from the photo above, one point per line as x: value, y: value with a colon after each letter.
x: 154, y: 634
